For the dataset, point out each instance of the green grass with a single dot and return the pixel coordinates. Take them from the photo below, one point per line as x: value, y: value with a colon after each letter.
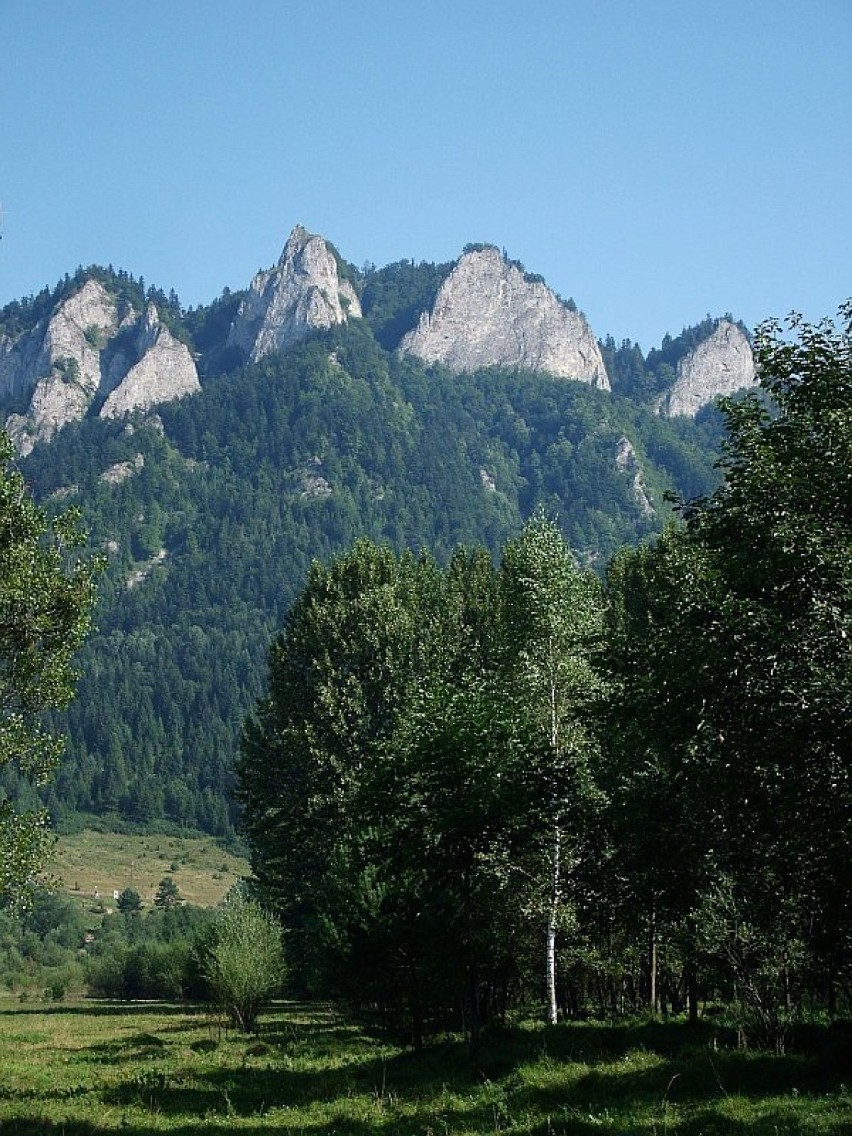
x: 91, y: 1068
x: 106, y: 862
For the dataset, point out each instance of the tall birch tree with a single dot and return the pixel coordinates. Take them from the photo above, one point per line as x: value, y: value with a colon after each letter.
x: 551, y: 627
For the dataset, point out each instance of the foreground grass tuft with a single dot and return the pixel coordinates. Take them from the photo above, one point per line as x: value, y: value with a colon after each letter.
x: 96, y: 1068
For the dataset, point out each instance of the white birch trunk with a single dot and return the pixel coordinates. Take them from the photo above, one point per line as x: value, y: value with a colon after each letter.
x: 552, y: 923
x: 652, y: 962
x: 555, y: 866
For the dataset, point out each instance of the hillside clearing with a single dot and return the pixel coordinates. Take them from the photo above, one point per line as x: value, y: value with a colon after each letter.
x: 93, y: 866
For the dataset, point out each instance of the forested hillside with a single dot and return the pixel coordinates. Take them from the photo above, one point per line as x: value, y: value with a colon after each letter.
x: 211, y: 510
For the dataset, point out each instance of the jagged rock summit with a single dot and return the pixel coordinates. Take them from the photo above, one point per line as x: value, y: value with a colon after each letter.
x: 103, y: 349
x: 165, y: 370
x: 303, y: 292
x: 720, y: 365
x: 75, y: 355
x: 57, y: 365
x: 488, y: 312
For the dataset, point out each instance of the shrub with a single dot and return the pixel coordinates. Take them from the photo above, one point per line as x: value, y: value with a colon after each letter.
x: 245, y: 960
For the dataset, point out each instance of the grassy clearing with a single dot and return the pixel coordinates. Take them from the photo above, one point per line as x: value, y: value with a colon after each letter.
x: 92, y: 1068
x: 92, y: 866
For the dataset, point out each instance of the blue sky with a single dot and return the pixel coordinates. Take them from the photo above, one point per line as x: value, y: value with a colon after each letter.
x: 657, y: 161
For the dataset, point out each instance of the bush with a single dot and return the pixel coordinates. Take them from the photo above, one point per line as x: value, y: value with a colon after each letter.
x: 245, y: 960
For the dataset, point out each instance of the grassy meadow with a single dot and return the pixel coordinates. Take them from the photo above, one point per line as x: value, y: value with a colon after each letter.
x: 86, y: 1068
x: 92, y: 866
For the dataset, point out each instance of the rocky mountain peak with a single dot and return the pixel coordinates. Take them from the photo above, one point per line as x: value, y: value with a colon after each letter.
x: 720, y: 365
x: 58, y: 365
x: 73, y: 331
x: 164, y: 370
x: 303, y: 292
x: 80, y: 352
x: 488, y: 312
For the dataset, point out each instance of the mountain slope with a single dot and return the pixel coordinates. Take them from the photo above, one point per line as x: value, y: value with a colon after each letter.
x: 211, y: 507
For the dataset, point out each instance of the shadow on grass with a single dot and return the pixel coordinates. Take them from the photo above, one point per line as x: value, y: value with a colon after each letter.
x: 100, y: 1009
x: 575, y: 1078
x: 771, y: 1124
x: 578, y: 1074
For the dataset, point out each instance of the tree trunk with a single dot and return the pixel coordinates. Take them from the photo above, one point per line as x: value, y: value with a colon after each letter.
x: 552, y: 921
x: 652, y: 962
x: 692, y: 990
x: 832, y: 989
x: 473, y: 1010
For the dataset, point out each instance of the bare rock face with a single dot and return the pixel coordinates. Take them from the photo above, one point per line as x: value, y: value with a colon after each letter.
x: 313, y: 483
x: 721, y: 365
x: 69, y: 343
x: 165, y: 371
x: 71, y: 358
x: 54, y: 404
x: 627, y: 462
x: 487, y: 313
x: 122, y: 470
x: 59, y: 364
x: 303, y: 292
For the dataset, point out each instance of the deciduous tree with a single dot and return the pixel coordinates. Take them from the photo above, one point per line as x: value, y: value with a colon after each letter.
x: 46, y: 596
x: 551, y: 626
x: 245, y: 960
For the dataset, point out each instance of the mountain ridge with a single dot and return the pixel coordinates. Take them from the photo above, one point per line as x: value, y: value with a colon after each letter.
x: 481, y: 310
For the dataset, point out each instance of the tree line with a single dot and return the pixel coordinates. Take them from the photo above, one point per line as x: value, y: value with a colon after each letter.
x: 477, y: 784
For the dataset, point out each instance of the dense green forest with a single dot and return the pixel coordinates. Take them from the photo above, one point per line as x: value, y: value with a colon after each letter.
x: 474, y: 781
x: 215, y: 508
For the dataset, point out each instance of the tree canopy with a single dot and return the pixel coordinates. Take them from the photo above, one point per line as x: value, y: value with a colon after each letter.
x: 460, y: 771
x: 46, y: 596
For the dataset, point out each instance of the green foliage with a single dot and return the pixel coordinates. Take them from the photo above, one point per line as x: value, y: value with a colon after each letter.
x: 244, y: 961
x: 551, y: 624
x: 779, y: 535
x: 732, y: 648
x: 152, y: 956
x: 447, y: 756
x: 208, y: 328
x: 46, y: 594
x: 418, y: 759
x: 178, y: 659
x: 167, y: 894
x: 394, y: 297
x: 129, y: 902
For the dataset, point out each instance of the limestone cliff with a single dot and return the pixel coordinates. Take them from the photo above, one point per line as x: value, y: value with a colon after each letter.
x: 488, y: 313
x: 303, y: 292
x: 627, y: 462
x: 58, y: 365
x: 165, y: 371
x: 722, y: 364
x: 67, y: 344
x: 81, y: 352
